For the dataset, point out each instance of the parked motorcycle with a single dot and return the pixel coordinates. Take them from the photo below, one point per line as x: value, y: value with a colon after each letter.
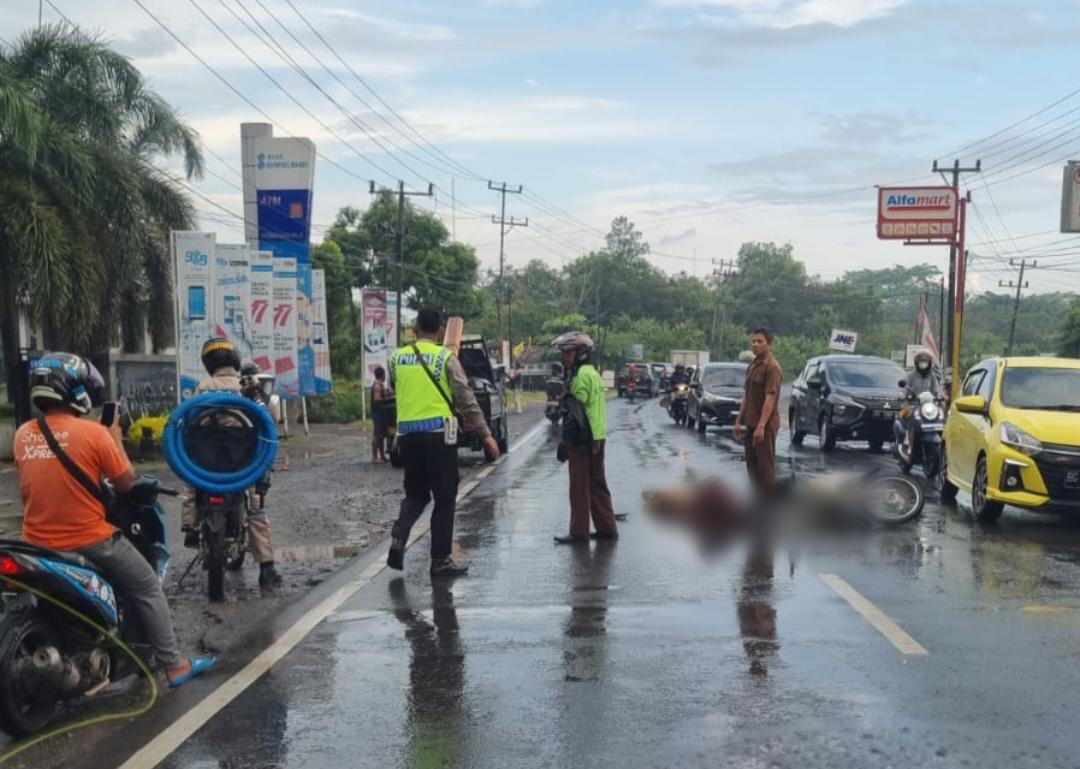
x: 48, y: 655
x: 917, y: 438
x: 555, y: 388
x: 678, y: 403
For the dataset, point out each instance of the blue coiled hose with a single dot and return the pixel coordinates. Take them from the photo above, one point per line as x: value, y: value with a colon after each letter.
x: 206, y: 480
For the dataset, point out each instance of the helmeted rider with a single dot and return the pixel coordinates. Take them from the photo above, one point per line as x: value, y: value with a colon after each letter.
x: 584, y: 439
x: 61, y: 514
x: 923, y: 378
x: 680, y: 376
x: 222, y: 362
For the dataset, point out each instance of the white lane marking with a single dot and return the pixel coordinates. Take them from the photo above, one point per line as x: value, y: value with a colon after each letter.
x: 526, y: 438
x: 875, y: 616
x: 7, y: 470
x: 177, y: 733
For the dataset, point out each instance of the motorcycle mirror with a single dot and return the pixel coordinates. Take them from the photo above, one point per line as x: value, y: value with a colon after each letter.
x: 902, y: 383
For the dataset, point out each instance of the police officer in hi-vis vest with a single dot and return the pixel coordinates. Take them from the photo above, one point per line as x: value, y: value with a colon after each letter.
x: 432, y: 392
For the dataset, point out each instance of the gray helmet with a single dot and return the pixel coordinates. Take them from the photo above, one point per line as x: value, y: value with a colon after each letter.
x: 574, y: 340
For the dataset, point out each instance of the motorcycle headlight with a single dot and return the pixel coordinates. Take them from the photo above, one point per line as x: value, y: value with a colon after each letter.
x: 930, y: 411
x: 1014, y: 437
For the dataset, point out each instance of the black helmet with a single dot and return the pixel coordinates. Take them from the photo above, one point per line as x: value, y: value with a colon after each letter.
x: 250, y: 370
x: 63, y: 378
x: 218, y: 353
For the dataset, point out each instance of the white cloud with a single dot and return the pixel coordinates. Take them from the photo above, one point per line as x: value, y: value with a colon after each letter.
x: 785, y: 14
x: 520, y: 4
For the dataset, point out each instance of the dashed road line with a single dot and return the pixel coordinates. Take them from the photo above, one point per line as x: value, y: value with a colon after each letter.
x: 177, y: 733
x: 875, y: 616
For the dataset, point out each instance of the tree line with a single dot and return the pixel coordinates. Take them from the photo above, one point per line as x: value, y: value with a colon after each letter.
x: 620, y: 297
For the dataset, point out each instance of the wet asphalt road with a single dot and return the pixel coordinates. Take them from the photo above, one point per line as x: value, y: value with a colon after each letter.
x: 645, y: 653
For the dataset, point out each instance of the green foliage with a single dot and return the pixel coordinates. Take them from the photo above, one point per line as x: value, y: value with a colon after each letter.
x: 345, y: 404
x: 342, y: 315
x: 84, y: 212
x: 436, y: 272
x: 1069, y: 343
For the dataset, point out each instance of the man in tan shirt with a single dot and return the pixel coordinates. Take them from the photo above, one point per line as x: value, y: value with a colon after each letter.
x: 760, y: 412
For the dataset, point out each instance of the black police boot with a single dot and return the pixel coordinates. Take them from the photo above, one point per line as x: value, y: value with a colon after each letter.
x: 268, y: 575
x: 191, y: 538
x: 447, y: 567
x: 395, y: 559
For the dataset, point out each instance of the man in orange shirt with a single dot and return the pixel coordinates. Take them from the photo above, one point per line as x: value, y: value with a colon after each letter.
x: 60, y: 514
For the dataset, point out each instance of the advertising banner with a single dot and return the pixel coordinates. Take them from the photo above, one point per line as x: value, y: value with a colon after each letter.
x: 305, y: 329
x: 843, y: 341
x: 285, y: 362
x: 284, y: 174
x: 261, y: 290
x: 232, y: 297
x: 193, y: 259
x: 373, y: 329
x: 320, y: 340
x: 1070, y: 197
x: 916, y: 212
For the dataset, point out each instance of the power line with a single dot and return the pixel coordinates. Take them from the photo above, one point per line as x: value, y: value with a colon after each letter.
x: 237, y: 91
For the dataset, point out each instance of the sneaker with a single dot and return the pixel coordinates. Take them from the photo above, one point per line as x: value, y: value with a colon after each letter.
x: 447, y: 567
x: 268, y: 575
x: 395, y: 559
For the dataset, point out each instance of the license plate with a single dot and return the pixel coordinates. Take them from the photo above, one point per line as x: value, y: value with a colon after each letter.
x: 1072, y: 479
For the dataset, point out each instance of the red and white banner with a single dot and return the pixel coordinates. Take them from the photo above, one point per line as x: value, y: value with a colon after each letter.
x: 373, y: 320
x: 925, y: 333
x: 285, y: 361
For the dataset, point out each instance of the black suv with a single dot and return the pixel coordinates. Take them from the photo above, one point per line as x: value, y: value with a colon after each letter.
x: 846, y: 397
x: 716, y: 393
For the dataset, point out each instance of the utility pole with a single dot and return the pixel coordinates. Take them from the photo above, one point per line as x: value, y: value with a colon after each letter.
x: 725, y: 268
x: 504, y: 227
x: 941, y: 317
x: 399, y: 239
x: 1020, y: 286
x: 956, y: 270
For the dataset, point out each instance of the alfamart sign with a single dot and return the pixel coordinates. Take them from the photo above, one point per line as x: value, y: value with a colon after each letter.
x: 916, y: 212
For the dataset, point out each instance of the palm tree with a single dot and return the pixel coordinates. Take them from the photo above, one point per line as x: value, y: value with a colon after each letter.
x: 84, y: 210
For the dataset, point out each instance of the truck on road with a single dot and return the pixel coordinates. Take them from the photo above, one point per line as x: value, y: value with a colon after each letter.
x: 695, y: 358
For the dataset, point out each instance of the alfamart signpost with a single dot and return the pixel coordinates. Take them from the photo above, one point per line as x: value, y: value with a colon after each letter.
x: 916, y: 212
x: 930, y: 216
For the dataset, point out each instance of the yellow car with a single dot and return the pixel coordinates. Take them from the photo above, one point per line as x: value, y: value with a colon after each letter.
x: 1013, y: 436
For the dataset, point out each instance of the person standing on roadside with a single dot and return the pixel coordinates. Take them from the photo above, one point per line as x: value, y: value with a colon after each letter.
x: 584, y: 439
x: 380, y: 394
x: 432, y: 392
x: 760, y: 412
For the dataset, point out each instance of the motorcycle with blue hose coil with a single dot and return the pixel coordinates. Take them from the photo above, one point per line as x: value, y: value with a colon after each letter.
x: 224, y: 445
x: 48, y: 655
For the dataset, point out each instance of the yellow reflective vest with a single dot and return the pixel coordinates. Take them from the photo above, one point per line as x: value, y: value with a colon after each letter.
x: 420, y: 407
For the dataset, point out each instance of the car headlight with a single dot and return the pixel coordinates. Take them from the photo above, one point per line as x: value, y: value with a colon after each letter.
x: 1014, y: 437
x: 930, y: 411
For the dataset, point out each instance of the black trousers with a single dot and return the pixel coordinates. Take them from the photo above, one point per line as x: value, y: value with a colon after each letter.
x: 431, y: 470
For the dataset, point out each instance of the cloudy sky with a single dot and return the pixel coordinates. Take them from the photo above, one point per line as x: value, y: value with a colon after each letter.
x: 708, y: 122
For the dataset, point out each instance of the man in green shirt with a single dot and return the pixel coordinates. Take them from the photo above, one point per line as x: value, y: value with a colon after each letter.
x: 584, y: 443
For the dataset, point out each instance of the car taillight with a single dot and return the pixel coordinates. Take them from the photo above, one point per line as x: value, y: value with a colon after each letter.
x: 8, y: 566
x: 216, y: 500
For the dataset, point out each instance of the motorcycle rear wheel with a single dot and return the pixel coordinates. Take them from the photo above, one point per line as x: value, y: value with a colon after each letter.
x: 894, y: 499
x: 215, y: 563
x: 23, y: 712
